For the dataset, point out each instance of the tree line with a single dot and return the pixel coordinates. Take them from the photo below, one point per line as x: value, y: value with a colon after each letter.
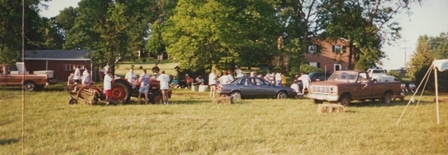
x: 206, y: 34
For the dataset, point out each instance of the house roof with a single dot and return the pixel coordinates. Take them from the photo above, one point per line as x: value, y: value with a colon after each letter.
x: 79, y: 55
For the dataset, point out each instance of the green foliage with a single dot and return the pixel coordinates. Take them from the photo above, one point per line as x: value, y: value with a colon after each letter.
x: 428, y: 49
x: 39, y: 32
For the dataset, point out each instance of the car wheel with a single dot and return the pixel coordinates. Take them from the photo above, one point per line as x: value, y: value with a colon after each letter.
x: 282, y: 95
x: 236, y: 95
x: 345, y: 100
x: 387, y: 98
x: 29, y: 86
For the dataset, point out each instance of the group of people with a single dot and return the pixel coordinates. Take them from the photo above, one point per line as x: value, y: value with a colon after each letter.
x: 78, y: 79
x: 143, y: 81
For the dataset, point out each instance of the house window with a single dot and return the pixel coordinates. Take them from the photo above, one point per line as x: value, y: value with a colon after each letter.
x: 338, y: 49
x: 315, y: 64
x: 337, y: 67
x: 312, y: 48
x: 69, y: 67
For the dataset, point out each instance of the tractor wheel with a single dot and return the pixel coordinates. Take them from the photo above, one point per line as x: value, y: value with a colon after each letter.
x: 156, y: 97
x: 121, y: 91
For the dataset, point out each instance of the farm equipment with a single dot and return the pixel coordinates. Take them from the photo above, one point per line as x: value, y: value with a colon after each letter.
x: 122, y: 92
x: 88, y: 94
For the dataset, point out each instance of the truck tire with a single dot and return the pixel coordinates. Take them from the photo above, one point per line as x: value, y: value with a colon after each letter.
x: 29, y: 86
x: 345, y: 100
x: 387, y: 98
x: 121, y: 91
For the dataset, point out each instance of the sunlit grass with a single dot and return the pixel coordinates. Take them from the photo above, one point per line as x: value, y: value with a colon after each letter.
x: 191, y: 124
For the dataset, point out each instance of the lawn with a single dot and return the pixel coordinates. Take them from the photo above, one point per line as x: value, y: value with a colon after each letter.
x: 191, y: 124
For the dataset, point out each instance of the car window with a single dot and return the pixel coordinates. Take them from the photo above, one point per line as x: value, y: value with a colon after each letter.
x: 258, y: 82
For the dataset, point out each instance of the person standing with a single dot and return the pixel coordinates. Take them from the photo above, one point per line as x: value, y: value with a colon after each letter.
x: 238, y: 72
x: 86, y: 79
x: 155, y: 69
x: 212, y: 83
x: 164, y: 86
x: 278, y: 79
x: 107, y: 84
x: 305, y: 81
x: 144, y: 86
x: 131, y: 77
x: 77, y: 75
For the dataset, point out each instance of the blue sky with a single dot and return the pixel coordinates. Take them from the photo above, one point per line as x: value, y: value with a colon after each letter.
x: 431, y: 18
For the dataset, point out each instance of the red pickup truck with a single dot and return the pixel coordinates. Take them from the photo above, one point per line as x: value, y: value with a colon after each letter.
x: 11, y: 76
x: 347, y: 85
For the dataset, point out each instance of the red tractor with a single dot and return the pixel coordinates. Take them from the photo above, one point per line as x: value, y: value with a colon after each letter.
x: 121, y: 92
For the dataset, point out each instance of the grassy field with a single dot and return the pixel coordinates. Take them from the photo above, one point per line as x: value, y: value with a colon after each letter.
x: 191, y: 124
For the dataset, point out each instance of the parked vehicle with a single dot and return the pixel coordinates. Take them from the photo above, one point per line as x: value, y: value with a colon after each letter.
x: 380, y: 75
x: 13, y: 75
x: 255, y: 87
x: 345, y: 86
x: 319, y: 76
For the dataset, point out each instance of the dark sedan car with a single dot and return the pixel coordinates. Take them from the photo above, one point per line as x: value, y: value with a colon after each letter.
x: 256, y: 87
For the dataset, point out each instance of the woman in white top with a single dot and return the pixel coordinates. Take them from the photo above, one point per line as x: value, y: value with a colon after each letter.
x: 212, y: 83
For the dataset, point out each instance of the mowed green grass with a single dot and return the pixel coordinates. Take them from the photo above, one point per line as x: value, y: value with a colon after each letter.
x: 192, y: 124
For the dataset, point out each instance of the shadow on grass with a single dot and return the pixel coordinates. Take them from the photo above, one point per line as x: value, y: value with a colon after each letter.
x: 9, y: 141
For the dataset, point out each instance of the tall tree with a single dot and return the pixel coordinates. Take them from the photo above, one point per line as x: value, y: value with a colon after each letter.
x: 428, y: 49
x: 11, y: 29
x: 203, y: 34
x: 366, y: 24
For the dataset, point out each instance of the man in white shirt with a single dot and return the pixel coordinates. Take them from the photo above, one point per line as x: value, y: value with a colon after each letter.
x: 305, y: 81
x: 77, y: 75
x: 131, y: 77
x: 238, y: 72
x: 107, y: 84
x: 164, y: 86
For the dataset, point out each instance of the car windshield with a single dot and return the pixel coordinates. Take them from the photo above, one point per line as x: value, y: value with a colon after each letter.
x: 344, y: 76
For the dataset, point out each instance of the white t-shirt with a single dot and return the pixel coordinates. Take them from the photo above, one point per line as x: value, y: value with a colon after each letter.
x: 130, y: 76
x: 77, y: 74
x: 305, y: 80
x: 225, y: 79
x: 164, y: 81
x: 211, y: 79
x: 107, y: 82
x: 239, y: 73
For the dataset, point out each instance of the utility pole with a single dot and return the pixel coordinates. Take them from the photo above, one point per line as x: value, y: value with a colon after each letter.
x: 405, y: 47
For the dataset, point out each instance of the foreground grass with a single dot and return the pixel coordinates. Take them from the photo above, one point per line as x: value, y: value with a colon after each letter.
x: 191, y: 124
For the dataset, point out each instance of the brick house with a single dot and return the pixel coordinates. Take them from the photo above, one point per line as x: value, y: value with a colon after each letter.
x: 60, y: 61
x: 333, y: 54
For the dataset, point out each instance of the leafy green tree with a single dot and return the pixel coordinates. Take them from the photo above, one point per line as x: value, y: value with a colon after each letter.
x: 428, y: 49
x: 36, y: 29
x: 366, y: 24
x: 218, y: 34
